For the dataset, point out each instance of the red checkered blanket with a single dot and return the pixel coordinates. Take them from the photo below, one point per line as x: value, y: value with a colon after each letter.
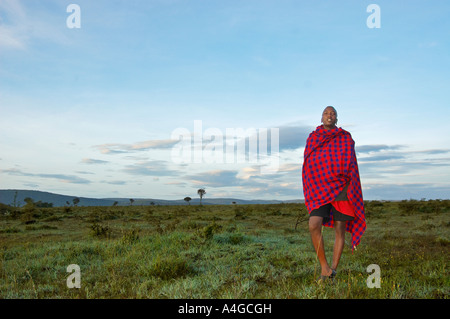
x: 329, y: 164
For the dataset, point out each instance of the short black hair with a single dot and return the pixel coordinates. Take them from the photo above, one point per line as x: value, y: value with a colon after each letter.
x: 332, y: 108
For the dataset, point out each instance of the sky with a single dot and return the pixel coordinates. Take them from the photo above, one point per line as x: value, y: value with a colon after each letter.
x: 136, y: 99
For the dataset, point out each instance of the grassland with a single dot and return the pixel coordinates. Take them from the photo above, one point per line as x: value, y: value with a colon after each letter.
x: 229, y: 251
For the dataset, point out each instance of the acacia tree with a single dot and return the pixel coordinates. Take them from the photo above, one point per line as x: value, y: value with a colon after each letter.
x: 187, y: 199
x: 75, y: 201
x: 200, y: 193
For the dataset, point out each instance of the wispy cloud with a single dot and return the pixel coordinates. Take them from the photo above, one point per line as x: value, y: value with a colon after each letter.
x: 290, y: 138
x: 60, y: 177
x: 20, y: 25
x: 116, y: 148
x: 377, y: 148
x: 386, y: 160
x: 115, y: 182
x: 93, y: 161
x: 392, y: 191
x: 84, y: 172
x: 150, y: 168
x: 12, y: 26
x: 434, y: 151
x: 379, y: 158
x: 246, y: 184
x: 215, y: 178
x: 293, y: 137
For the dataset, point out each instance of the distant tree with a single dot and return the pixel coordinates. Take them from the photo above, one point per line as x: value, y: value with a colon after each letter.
x: 15, y: 204
x: 131, y: 201
x: 75, y: 201
x: 41, y: 204
x: 201, y: 192
x: 115, y: 203
x: 187, y: 199
x: 152, y: 203
x: 28, y: 200
x: 234, y: 203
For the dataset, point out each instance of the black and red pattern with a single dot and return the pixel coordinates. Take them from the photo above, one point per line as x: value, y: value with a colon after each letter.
x: 329, y: 164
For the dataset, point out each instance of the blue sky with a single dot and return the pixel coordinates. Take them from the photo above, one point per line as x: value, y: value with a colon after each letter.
x: 90, y: 111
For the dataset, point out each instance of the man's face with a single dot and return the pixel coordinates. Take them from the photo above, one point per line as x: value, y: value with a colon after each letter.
x: 329, y: 117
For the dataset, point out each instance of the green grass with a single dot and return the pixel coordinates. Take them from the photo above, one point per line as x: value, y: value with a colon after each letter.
x: 244, y: 251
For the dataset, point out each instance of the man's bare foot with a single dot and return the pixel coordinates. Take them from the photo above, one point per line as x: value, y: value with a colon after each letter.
x: 326, y: 272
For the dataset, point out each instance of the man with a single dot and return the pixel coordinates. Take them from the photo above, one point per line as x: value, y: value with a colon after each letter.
x: 332, y: 189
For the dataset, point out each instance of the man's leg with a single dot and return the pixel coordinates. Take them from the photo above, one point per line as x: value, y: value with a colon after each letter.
x: 315, y: 229
x: 339, y: 242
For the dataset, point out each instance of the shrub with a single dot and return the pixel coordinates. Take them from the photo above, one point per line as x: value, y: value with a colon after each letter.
x: 170, y: 267
x: 27, y: 218
x: 408, y: 207
x: 10, y: 230
x: 209, y: 231
x: 275, y: 212
x: 130, y: 237
x: 40, y: 227
x: 98, y: 230
x: 442, y: 241
x: 234, y: 238
x: 5, y: 209
x: 239, y: 212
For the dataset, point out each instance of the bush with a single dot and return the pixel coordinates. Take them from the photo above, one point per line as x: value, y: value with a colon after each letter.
x: 98, y: 230
x: 10, y: 230
x: 170, y: 267
x: 408, y: 207
x: 209, y: 231
x: 40, y: 227
x: 239, y: 212
x: 5, y: 209
x: 130, y: 237
x: 234, y: 238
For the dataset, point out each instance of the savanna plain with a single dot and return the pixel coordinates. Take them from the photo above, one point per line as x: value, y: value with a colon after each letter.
x: 219, y: 251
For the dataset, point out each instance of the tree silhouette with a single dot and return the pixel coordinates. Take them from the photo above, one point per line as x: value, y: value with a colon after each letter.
x: 15, y: 202
x: 131, y: 201
x: 187, y: 199
x: 200, y: 193
x: 75, y: 201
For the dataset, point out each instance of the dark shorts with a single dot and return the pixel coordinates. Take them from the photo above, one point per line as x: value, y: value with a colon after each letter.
x: 324, y: 211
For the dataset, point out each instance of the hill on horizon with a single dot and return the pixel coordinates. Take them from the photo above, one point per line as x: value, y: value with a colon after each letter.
x: 8, y: 197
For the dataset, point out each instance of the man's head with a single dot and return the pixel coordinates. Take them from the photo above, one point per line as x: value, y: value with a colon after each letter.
x: 329, y: 117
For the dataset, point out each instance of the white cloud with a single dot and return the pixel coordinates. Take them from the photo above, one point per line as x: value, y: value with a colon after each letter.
x: 93, y: 161
x: 19, y: 25
x: 150, y: 168
x: 10, y: 39
x: 116, y: 148
x: 64, y: 178
x: 13, y: 25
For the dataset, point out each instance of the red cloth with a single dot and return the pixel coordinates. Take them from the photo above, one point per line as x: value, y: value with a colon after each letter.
x: 344, y: 207
x: 329, y: 164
